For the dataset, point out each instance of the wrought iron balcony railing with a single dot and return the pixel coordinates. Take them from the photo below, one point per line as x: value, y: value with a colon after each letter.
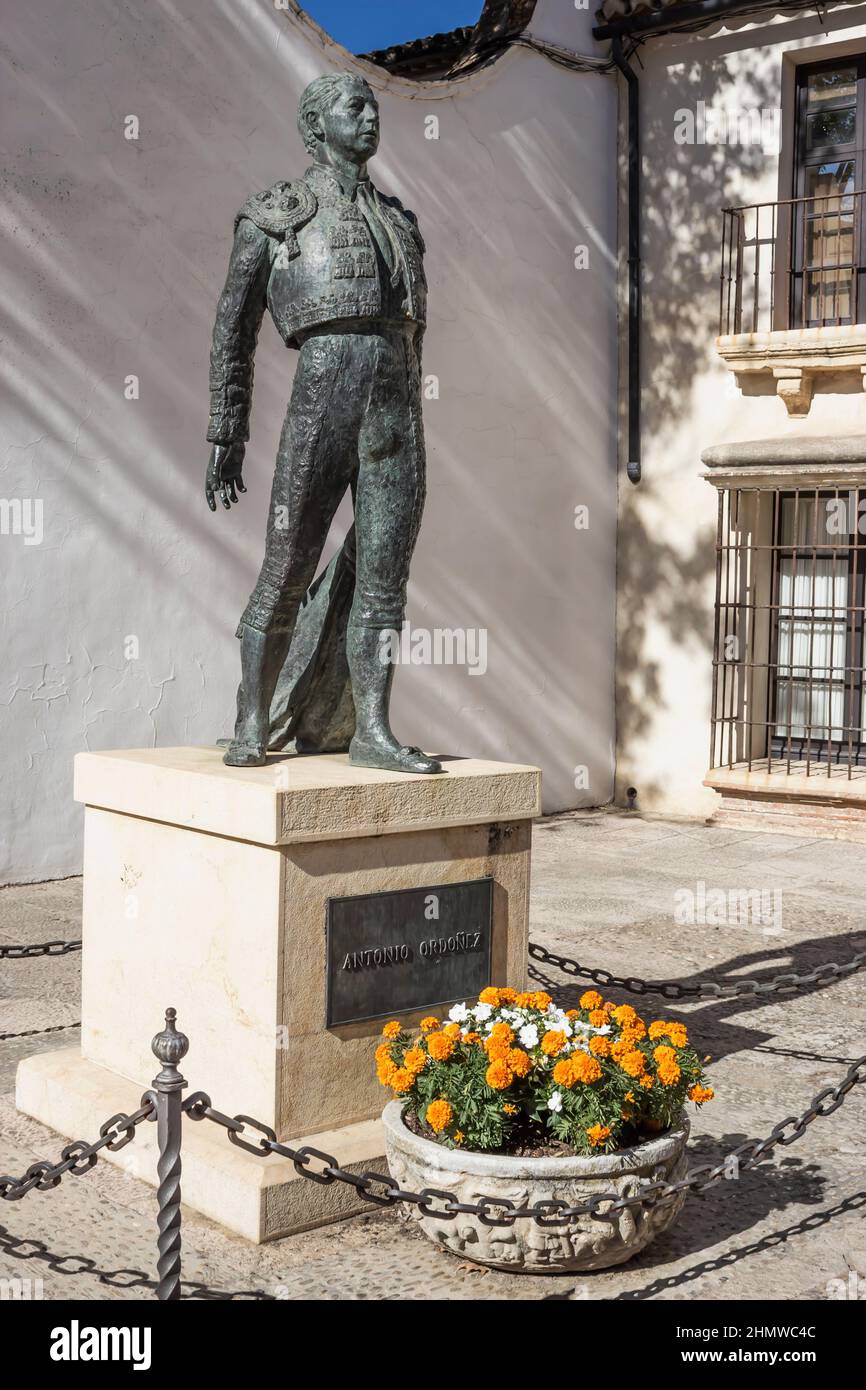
x: 798, y: 263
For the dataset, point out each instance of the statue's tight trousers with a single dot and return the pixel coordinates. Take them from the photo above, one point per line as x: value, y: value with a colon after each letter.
x: 354, y: 420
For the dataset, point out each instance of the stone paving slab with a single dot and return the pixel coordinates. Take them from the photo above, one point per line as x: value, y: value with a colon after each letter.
x: 603, y: 892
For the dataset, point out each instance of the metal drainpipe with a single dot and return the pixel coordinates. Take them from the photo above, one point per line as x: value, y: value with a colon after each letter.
x: 633, y: 467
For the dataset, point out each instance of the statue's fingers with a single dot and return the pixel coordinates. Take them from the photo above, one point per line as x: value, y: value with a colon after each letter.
x: 225, y: 501
x: 240, y: 483
x: 208, y: 492
x: 232, y: 494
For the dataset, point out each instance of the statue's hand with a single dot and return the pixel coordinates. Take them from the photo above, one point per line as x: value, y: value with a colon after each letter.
x: 224, y: 474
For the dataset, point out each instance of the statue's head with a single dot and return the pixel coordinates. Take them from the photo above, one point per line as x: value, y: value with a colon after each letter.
x: 339, y: 112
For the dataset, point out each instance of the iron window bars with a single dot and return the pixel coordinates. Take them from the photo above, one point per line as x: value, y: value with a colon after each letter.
x: 788, y: 681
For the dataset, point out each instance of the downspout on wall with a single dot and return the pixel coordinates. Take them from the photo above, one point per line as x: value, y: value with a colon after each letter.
x: 633, y: 465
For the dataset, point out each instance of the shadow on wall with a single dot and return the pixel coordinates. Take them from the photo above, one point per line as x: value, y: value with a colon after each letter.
x: 666, y: 551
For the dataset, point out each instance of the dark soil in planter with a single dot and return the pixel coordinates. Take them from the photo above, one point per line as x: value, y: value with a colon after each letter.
x: 529, y: 1141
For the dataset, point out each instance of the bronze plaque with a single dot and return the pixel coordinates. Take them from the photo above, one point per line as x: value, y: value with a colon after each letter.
x: 417, y: 948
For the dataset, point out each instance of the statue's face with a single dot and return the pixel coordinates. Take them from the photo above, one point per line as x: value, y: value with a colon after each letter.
x: 350, y: 124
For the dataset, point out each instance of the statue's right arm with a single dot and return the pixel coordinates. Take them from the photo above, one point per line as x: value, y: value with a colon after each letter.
x: 236, y: 329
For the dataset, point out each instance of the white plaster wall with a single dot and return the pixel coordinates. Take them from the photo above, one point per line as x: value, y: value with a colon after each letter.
x: 114, y: 254
x: 668, y: 522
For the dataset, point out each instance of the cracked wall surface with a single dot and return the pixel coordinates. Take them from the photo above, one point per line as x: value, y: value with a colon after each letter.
x: 118, y: 626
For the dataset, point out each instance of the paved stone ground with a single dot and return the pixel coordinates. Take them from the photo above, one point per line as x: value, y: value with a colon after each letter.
x: 603, y: 891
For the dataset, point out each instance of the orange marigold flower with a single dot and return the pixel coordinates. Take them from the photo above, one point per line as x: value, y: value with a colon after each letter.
x: 676, y: 1032
x: 439, y: 1115
x: 507, y: 995
x: 540, y: 1000
x: 633, y: 1063
x: 553, y: 1042
x: 451, y: 1030
x: 624, y: 1015
x: 563, y: 1074
x: 499, y: 1075
x: 663, y: 1053
x: 490, y: 995
x: 620, y: 1049
x: 518, y: 1061
x: 585, y: 1068
x: 598, y: 1018
x: 439, y: 1047
x: 472, y: 1037
x: 647, y: 1083
x: 626, y: 1114
x: 596, y: 1134
x: 383, y: 1052
x: 502, y: 1030
x: 669, y: 1073
x: 429, y: 1023
x: 590, y: 1000
x: 497, y: 1049
x: 524, y: 1001
x: 385, y: 1072
x: 391, y: 1029
x: 415, y: 1060
x: 401, y: 1080
x: 509, y: 1109
x: 459, y: 1136
x: 600, y: 1047
x: 572, y: 1013
x: 699, y: 1094
x: 629, y: 1095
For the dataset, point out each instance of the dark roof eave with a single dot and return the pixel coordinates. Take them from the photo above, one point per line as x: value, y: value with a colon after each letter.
x: 672, y: 15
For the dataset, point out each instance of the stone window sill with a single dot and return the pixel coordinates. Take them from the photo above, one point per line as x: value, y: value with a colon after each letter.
x: 793, y: 357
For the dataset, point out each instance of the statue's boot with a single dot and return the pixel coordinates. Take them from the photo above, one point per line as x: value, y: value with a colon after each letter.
x: 373, y: 744
x: 262, y: 655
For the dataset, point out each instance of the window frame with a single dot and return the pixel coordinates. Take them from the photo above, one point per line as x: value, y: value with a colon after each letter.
x: 849, y: 750
x: 823, y: 154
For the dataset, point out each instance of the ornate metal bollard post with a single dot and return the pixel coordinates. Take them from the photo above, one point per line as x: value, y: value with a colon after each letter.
x: 169, y: 1047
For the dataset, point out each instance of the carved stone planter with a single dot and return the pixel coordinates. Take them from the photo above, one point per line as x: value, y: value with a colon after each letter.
x: 527, y: 1246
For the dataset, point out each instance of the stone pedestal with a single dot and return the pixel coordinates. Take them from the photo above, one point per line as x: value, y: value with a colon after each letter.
x: 206, y: 888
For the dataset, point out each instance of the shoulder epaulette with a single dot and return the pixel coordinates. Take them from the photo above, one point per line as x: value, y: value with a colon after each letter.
x: 281, y: 210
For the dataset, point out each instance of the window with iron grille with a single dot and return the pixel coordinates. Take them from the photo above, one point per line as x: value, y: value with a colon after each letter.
x: 801, y: 262
x: 788, y: 686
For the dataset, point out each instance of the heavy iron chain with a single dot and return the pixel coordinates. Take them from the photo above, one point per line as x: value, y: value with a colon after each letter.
x: 43, y: 948
x: 35, y: 1032
x: 670, y: 989
x: 498, y: 1211
x: 705, y: 989
x: 76, y: 1158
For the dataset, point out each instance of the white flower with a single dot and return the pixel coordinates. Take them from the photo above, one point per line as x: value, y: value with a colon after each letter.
x: 483, y: 1010
x: 459, y: 1013
x: 555, y: 1102
x: 528, y: 1035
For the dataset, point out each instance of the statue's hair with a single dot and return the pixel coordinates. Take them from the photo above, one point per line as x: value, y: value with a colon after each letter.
x: 320, y: 93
